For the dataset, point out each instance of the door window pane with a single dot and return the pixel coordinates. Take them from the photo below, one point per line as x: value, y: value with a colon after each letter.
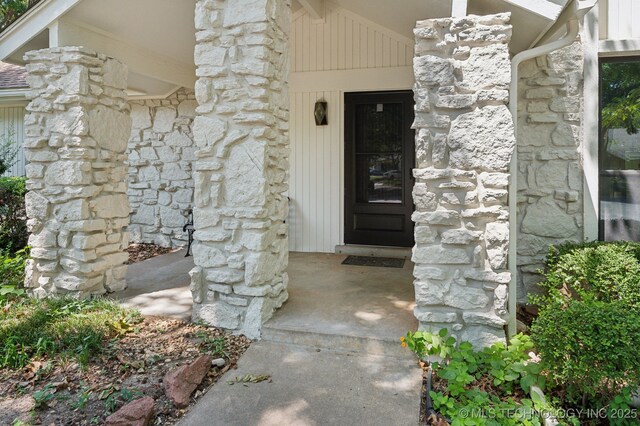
x: 379, y: 153
x: 379, y: 178
x: 620, y: 150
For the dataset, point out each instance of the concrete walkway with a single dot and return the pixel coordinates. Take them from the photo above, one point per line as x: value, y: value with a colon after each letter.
x: 332, y: 350
x: 312, y: 387
x: 160, y: 286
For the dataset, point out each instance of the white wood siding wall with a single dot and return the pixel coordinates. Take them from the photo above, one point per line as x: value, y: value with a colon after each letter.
x: 621, y: 19
x: 344, y: 41
x: 315, y: 219
x: 11, y: 128
x: 342, y: 53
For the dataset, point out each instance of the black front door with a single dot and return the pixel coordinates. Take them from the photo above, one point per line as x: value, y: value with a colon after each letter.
x: 379, y: 158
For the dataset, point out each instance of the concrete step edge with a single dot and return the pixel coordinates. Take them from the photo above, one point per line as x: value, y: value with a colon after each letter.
x: 336, y: 342
x: 374, y: 251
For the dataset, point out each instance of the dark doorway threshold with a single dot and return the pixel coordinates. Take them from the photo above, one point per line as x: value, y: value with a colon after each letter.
x: 383, y: 262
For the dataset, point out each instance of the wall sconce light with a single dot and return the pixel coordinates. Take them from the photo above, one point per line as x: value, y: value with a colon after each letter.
x: 320, y: 113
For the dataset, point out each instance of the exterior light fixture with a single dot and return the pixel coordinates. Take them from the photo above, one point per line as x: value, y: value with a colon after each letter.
x: 320, y: 113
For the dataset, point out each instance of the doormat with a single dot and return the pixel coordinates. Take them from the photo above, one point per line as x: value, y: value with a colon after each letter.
x: 384, y: 262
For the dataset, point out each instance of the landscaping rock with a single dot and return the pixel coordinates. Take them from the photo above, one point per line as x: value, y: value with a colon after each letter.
x: 136, y: 413
x: 180, y: 382
x: 218, y: 362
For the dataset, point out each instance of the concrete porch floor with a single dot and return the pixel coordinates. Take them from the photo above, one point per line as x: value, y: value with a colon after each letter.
x: 330, y: 305
x: 344, y: 307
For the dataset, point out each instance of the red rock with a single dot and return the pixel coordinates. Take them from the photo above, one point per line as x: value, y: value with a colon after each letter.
x: 135, y: 413
x: 180, y: 382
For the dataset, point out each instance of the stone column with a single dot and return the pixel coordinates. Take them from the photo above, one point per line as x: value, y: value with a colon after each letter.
x: 76, y: 131
x: 241, y: 171
x: 550, y: 143
x: 464, y: 144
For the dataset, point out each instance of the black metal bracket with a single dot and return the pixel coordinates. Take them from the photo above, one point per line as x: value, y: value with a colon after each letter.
x: 188, y: 227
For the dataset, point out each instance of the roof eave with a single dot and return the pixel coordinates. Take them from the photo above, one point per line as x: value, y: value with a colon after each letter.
x: 32, y: 23
x: 14, y: 96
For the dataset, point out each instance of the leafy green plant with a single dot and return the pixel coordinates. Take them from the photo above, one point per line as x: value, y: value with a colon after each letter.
x: 115, y: 397
x: 13, y: 215
x: 44, y: 396
x: 210, y: 344
x: 33, y: 329
x: 12, y: 275
x: 13, y: 353
x: 485, y: 387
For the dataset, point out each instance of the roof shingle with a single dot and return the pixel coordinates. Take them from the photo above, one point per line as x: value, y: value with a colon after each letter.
x: 12, y: 76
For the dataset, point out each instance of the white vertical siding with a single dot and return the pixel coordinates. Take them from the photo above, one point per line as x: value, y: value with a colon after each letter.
x: 324, y: 55
x: 315, y: 215
x: 345, y: 41
x: 622, y: 17
x: 11, y: 128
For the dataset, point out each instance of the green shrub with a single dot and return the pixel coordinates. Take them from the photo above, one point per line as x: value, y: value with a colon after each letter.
x: 34, y: 329
x: 14, y: 185
x: 596, y: 271
x: 13, y: 216
x: 591, y: 347
x: 12, y: 274
x: 588, y: 328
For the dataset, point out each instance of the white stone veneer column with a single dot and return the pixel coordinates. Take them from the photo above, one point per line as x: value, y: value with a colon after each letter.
x: 160, y: 157
x: 76, y: 131
x: 464, y: 144
x: 550, y: 183
x: 240, y: 173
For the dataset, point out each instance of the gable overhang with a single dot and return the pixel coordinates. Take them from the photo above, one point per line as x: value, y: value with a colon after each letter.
x: 31, y: 26
x: 530, y: 18
x: 155, y: 38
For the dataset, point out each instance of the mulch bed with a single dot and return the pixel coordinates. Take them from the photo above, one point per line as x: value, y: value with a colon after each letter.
x: 139, y: 252
x: 132, y: 365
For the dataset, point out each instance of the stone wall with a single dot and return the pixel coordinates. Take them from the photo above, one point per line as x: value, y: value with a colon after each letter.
x: 241, y: 133
x: 76, y: 131
x: 160, y: 157
x: 464, y: 143
x: 550, y: 176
